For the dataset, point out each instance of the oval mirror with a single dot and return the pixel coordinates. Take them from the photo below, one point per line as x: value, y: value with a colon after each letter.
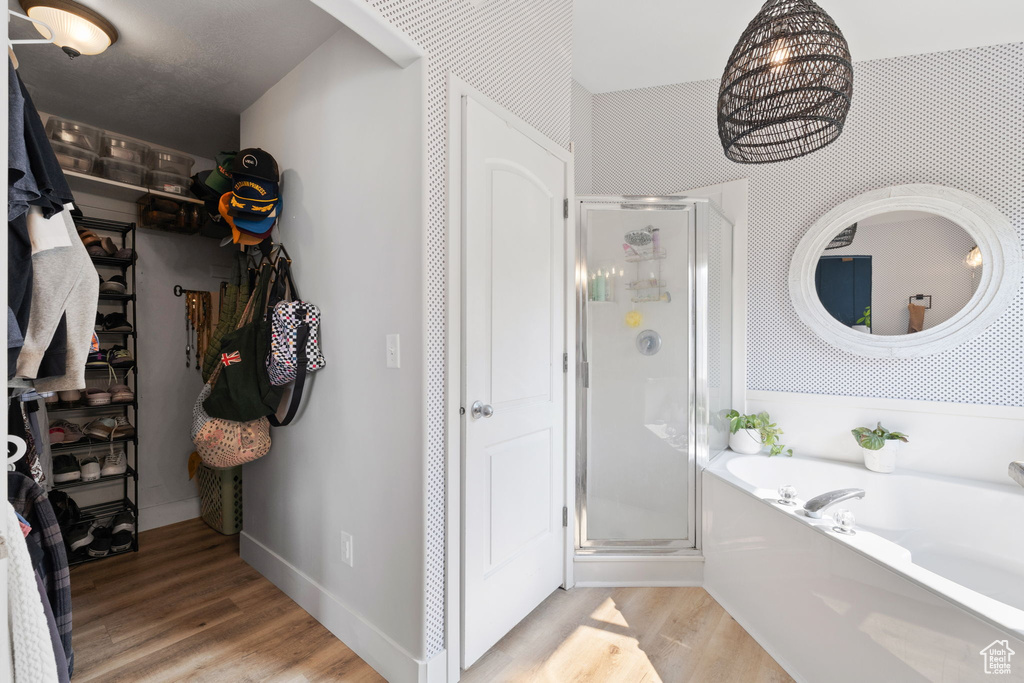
x: 905, y: 271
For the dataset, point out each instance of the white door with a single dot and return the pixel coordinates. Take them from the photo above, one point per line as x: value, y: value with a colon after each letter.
x: 513, y: 341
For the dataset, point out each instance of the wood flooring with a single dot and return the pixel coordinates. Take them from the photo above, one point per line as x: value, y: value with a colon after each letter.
x: 186, y: 608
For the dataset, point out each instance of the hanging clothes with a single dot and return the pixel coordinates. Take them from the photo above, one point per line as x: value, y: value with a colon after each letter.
x: 33, y: 652
x: 29, y: 500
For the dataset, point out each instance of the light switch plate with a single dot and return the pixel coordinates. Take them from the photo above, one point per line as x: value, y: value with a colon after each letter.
x: 394, y: 355
x: 346, y: 548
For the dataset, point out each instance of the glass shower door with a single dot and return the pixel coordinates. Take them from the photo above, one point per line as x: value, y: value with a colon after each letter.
x: 636, y: 429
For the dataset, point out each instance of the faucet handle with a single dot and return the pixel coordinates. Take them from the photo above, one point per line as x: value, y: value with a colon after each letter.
x: 787, y: 495
x: 844, y: 520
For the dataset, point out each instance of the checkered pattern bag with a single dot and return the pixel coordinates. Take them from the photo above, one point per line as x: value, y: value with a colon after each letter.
x: 294, y: 341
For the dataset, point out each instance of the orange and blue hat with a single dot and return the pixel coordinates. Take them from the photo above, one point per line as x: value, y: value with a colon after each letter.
x: 239, y: 236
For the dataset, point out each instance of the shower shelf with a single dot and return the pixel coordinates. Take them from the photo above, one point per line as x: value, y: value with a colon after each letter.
x: 645, y: 284
x: 647, y: 255
x: 664, y: 298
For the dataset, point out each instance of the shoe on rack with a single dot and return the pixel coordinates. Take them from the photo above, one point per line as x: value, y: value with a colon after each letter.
x: 51, y: 399
x: 115, y: 322
x: 79, y: 536
x: 100, y: 429
x: 94, y: 396
x: 123, y: 521
x: 121, y: 541
x: 102, y: 539
x: 122, y: 428
x: 115, y: 462
x: 56, y: 435
x: 115, y: 285
x: 99, y: 320
x: 126, y: 253
x: 121, y: 393
x: 96, y: 359
x: 65, y: 469
x: 70, y: 398
x: 72, y: 432
x: 90, y: 468
x: 120, y: 357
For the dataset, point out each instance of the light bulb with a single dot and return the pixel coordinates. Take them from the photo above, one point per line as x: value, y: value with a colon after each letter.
x: 974, y: 258
x: 779, y: 53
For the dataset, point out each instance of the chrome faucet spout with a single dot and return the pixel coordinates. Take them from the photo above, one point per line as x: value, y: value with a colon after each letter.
x: 817, y: 505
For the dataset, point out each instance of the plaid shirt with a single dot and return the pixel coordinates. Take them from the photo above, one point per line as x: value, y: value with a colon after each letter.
x: 29, y: 500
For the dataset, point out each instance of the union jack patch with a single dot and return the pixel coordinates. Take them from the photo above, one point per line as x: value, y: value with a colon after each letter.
x: 229, y: 358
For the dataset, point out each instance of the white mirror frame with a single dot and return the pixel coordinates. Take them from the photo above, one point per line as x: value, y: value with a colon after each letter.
x: 991, y: 231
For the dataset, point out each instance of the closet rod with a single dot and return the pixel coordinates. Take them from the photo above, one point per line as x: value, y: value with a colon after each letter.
x: 31, y: 41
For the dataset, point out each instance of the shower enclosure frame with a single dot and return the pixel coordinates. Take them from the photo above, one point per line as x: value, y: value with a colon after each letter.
x: 698, y: 411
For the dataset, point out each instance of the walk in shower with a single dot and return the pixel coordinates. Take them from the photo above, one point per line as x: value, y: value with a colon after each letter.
x: 654, y: 318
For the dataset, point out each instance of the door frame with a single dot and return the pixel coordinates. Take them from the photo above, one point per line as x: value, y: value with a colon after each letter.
x: 458, y: 92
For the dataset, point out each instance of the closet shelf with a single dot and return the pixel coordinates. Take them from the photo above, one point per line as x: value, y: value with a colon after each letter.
x: 107, y: 296
x: 88, y: 409
x: 85, y: 559
x: 117, y: 190
x: 87, y: 443
x: 121, y: 263
x: 104, y: 369
x: 108, y: 509
x: 99, y: 223
x: 102, y: 480
x: 122, y: 333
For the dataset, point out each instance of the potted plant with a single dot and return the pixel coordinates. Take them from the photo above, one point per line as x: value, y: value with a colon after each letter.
x: 749, y: 432
x: 880, y: 447
x: 863, y: 323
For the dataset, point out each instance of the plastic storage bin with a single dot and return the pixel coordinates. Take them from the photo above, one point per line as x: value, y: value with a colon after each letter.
x: 170, y: 162
x: 121, y: 170
x: 166, y: 181
x: 73, y: 158
x: 117, y: 147
x: 75, y: 134
x: 220, y: 498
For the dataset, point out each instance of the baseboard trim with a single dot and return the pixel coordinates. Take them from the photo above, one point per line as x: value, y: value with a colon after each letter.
x: 595, y: 571
x: 388, y: 658
x: 168, y: 513
x: 772, y: 652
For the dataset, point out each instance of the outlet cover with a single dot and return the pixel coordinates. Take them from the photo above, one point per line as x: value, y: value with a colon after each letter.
x: 346, y: 548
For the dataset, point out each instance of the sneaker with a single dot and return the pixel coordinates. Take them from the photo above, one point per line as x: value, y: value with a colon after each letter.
x: 120, y: 357
x: 101, y: 428
x: 72, y: 432
x: 116, y: 322
x: 70, y: 398
x: 102, y: 539
x: 96, y: 359
x: 115, y: 462
x: 126, y: 253
x: 121, y: 393
x: 90, y: 467
x: 79, y: 536
x: 115, y: 285
x: 122, y: 428
x: 94, y: 396
x: 51, y: 399
x: 99, y: 320
x: 65, y: 469
x: 56, y: 435
x: 121, y: 541
x: 123, y: 521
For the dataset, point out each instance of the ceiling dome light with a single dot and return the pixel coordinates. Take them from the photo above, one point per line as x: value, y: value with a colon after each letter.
x: 77, y: 29
x: 787, y: 87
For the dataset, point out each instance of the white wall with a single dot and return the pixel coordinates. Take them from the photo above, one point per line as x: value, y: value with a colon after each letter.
x: 346, y: 127
x: 925, y: 254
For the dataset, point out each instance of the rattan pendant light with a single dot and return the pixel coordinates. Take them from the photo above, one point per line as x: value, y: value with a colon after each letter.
x: 787, y: 87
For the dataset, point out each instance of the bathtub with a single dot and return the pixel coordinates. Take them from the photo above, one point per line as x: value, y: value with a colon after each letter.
x: 933, y: 576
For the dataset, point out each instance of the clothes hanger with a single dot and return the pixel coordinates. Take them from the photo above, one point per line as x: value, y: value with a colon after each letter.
x: 20, y: 448
x: 27, y: 41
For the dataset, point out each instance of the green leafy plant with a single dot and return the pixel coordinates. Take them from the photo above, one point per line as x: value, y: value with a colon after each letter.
x: 866, y: 318
x: 874, y: 439
x: 763, y: 424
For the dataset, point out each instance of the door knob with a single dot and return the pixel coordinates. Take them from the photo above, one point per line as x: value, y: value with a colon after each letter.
x: 481, y: 409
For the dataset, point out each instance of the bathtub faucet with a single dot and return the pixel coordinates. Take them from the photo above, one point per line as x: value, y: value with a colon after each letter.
x: 815, y: 506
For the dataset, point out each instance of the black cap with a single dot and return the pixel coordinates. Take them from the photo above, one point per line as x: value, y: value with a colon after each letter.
x: 256, y: 163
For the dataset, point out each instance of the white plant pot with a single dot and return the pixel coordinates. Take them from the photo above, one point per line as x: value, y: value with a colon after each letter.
x: 883, y: 460
x: 746, y: 441
x: 861, y: 328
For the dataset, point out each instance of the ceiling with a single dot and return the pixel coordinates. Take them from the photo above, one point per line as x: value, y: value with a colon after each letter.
x: 621, y: 44
x: 180, y: 73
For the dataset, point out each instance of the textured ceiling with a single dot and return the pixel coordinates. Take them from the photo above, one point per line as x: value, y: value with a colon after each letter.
x: 181, y: 72
x: 619, y: 45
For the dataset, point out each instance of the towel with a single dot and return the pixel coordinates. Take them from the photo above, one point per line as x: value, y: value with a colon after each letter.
x: 916, y: 318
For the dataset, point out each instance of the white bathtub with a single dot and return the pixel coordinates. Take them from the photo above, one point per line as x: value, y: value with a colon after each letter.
x: 934, y: 574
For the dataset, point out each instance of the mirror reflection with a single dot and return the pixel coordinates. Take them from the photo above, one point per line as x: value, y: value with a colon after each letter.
x: 898, y: 272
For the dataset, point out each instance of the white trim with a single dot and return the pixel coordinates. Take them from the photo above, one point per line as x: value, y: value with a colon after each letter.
x: 891, y: 404
x: 156, y: 516
x: 457, y: 90
x: 369, y: 24
x: 601, y: 570
x: 374, y: 647
x: 998, y: 285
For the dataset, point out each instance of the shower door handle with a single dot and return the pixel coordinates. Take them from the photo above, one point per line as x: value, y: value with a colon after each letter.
x: 481, y: 409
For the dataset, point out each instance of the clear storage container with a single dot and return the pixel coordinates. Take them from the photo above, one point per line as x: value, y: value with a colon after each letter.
x: 75, y: 134
x: 170, y: 162
x: 121, y: 170
x: 116, y: 147
x: 169, y: 182
x: 73, y: 158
